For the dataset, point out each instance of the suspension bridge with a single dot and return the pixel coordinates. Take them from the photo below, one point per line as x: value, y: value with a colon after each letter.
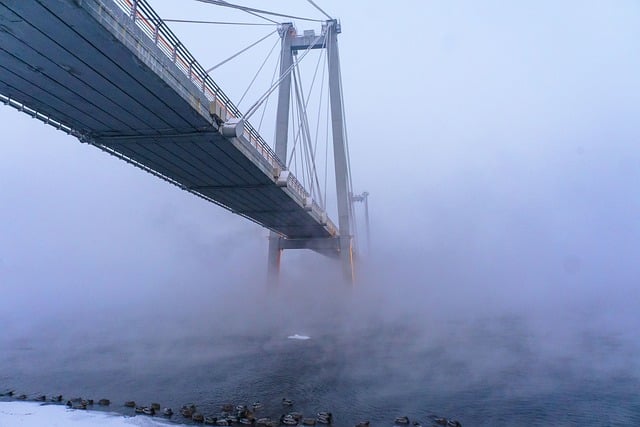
x: 112, y: 74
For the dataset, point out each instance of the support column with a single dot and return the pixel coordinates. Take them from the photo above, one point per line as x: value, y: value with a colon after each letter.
x: 273, y: 259
x: 339, y: 151
x: 287, y: 32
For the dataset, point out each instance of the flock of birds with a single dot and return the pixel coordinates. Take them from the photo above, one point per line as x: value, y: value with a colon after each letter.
x: 229, y: 414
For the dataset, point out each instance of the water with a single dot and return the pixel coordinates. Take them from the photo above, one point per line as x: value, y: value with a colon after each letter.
x: 481, y: 370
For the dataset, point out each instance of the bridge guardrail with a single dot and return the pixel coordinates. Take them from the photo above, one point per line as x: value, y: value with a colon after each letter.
x: 152, y: 25
x: 147, y: 20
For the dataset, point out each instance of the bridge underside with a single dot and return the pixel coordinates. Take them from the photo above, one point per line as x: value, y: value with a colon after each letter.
x: 86, y: 64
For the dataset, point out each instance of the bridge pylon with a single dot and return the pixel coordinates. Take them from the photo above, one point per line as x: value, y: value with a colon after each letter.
x: 342, y: 246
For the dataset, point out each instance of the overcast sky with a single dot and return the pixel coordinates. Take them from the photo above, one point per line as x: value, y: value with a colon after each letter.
x: 498, y: 141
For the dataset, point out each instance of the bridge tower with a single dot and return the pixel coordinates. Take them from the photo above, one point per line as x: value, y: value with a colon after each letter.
x: 291, y: 43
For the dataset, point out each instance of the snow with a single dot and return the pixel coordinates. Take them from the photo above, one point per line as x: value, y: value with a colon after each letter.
x: 32, y: 414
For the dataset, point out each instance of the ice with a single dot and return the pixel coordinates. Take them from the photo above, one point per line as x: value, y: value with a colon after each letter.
x: 298, y: 337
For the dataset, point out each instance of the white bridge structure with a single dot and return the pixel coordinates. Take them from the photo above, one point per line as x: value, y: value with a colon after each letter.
x: 112, y: 74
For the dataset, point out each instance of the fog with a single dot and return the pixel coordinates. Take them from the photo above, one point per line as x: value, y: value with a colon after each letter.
x: 499, y: 145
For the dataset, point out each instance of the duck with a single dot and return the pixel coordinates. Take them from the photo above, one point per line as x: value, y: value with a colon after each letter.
x: 227, y: 407
x: 104, y: 402
x: 247, y: 421
x: 140, y: 409
x: 402, y: 420
x: 187, y: 411
x: 148, y: 411
x: 155, y: 406
x: 87, y: 402
x: 57, y: 398
x: 210, y: 420
x: 257, y: 405
x: 41, y: 398
x: 287, y: 402
x: 288, y: 420
x: 167, y: 412
x: 130, y: 404
x: 223, y: 422
x: 297, y: 415
x: 454, y: 423
x: 324, y: 417
x: 417, y: 424
x: 197, y: 417
x: 22, y: 397
x: 263, y: 422
x: 76, y: 404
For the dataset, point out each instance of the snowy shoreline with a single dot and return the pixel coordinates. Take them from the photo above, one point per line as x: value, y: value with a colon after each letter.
x: 34, y: 414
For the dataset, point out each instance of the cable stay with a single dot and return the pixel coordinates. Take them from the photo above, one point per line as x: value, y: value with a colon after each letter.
x: 295, y: 154
x: 273, y: 87
x: 190, y: 21
x: 346, y: 139
x: 309, y: 156
x: 264, y: 109
x: 258, y: 72
x: 315, y: 146
x: 322, y: 58
x: 261, y: 11
x: 253, y: 13
x: 321, y: 11
x: 326, y: 146
x: 302, y: 131
x: 240, y: 52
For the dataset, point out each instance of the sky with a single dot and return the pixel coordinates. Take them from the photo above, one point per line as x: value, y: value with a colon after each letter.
x: 497, y: 140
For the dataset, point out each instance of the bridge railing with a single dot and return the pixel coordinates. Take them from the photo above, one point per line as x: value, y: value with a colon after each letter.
x: 152, y: 25
x: 147, y: 20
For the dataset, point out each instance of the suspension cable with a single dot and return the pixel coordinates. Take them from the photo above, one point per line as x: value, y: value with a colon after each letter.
x: 240, y: 52
x: 251, y: 9
x: 258, y: 72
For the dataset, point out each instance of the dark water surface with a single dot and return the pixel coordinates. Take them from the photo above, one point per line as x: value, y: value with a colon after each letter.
x: 482, y: 371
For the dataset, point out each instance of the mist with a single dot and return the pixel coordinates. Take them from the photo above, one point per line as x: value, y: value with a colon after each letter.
x: 499, y: 145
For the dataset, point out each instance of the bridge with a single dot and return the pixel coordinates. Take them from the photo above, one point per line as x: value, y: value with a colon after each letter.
x: 112, y: 74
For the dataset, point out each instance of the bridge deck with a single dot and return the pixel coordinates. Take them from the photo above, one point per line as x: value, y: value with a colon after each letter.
x: 124, y: 87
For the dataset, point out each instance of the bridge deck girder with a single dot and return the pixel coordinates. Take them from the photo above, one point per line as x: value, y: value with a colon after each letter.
x: 89, y: 66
